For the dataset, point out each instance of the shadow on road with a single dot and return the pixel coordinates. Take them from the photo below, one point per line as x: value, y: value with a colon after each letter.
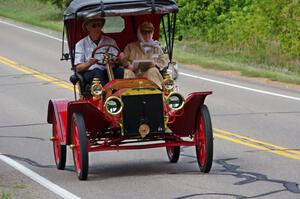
x: 150, y: 168
x: 244, y: 178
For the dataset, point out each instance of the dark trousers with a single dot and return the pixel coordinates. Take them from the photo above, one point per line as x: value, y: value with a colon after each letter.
x: 102, y: 74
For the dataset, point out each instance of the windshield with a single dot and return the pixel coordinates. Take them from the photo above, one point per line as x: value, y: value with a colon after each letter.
x: 114, y: 25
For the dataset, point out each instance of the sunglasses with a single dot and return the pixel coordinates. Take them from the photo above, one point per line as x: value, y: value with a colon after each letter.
x: 96, y: 25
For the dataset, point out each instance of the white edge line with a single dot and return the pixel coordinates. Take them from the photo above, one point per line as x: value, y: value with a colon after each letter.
x: 30, y: 30
x: 39, y: 179
x: 185, y: 74
x: 241, y: 87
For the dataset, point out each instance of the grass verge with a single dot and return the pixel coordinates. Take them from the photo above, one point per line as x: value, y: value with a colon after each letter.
x: 32, y: 12
x: 216, y: 58
x: 9, y: 191
x: 189, y: 52
x: 5, y: 195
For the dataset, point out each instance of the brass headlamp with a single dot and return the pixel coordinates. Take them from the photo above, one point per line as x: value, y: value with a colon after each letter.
x: 168, y: 84
x: 113, y: 105
x: 96, y: 88
x: 175, y: 101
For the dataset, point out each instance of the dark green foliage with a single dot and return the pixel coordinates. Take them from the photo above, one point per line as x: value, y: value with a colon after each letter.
x: 62, y: 4
x: 207, y: 18
x: 266, y: 29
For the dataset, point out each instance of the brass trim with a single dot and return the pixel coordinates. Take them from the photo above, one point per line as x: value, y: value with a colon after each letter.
x: 121, y: 105
x: 175, y: 93
x: 166, y: 75
x: 141, y: 84
x: 166, y: 120
x: 121, y: 126
x: 144, y: 130
x: 168, y: 91
x: 96, y: 83
x: 141, y: 91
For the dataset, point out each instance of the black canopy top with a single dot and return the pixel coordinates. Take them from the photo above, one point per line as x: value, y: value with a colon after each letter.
x: 87, y: 8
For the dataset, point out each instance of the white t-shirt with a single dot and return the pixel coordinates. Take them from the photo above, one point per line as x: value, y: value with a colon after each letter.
x: 85, y: 47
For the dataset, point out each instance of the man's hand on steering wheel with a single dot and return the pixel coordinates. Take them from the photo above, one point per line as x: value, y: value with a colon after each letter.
x: 108, y: 57
x: 91, y: 61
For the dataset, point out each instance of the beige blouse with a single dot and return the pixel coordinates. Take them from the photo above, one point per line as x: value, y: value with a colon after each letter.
x: 134, y: 51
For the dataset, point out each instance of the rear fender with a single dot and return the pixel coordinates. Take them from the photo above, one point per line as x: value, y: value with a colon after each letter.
x: 95, y: 120
x: 58, y: 108
x: 183, y: 121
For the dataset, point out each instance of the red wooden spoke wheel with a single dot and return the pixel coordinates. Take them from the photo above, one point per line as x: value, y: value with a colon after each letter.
x: 173, y: 153
x: 58, y: 148
x: 80, y: 146
x: 204, y: 140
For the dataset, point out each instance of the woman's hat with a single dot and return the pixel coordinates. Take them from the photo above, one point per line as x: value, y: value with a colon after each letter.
x: 146, y: 26
x: 92, y: 19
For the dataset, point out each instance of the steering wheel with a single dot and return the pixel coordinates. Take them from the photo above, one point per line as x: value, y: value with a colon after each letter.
x: 107, y: 54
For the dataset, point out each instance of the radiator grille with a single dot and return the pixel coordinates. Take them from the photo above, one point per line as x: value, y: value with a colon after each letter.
x: 140, y: 109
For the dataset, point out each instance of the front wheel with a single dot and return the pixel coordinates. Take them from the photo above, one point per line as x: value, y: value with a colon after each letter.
x: 204, y: 140
x: 80, y: 146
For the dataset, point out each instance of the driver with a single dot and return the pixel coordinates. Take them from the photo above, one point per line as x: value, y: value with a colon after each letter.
x: 88, y: 66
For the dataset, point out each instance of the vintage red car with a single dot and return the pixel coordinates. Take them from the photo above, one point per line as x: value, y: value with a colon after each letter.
x: 127, y: 114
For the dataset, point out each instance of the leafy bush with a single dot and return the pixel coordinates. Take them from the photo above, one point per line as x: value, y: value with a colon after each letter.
x: 268, y: 30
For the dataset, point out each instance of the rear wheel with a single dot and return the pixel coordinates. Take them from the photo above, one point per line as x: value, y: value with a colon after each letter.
x: 59, y: 149
x: 204, y: 140
x: 173, y: 153
x: 80, y: 146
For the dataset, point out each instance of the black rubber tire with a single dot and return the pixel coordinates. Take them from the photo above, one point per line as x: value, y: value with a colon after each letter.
x: 59, y: 150
x: 81, y: 144
x: 206, y: 163
x: 173, y: 153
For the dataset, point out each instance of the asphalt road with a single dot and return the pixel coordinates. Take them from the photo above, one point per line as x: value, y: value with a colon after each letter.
x: 256, y: 130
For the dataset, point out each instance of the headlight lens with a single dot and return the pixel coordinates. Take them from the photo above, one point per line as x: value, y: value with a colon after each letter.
x: 96, y: 89
x: 113, y: 105
x: 168, y: 85
x: 175, y: 101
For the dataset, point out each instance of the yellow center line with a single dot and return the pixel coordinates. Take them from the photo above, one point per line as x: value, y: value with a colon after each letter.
x: 261, y: 143
x: 226, y: 135
x: 36, y: 74
x: 7, y: 60
x: 281, y: 153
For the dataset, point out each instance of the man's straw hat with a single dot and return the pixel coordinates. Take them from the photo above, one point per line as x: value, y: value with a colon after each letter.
x: 92, y: 19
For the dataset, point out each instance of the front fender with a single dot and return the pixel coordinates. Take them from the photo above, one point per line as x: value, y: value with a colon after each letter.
x: 58, y: 108
x: 95, y: 120
x: 183, y: 121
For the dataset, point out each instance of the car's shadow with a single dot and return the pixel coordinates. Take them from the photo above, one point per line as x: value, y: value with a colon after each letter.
x: 222, y: 167
x: 147, y: 168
